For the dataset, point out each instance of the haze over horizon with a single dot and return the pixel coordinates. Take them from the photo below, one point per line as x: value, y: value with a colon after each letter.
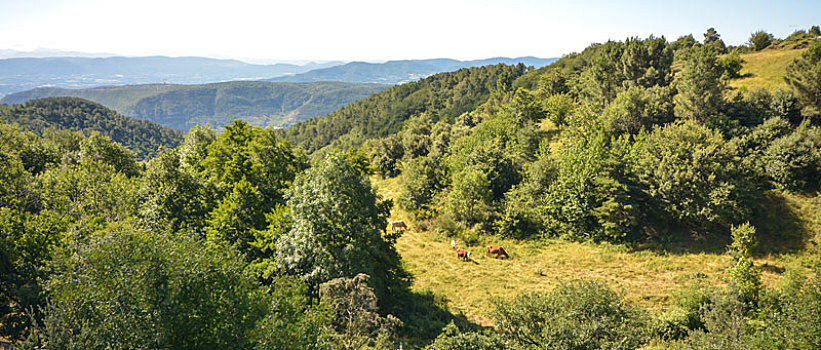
x: 371, y: 30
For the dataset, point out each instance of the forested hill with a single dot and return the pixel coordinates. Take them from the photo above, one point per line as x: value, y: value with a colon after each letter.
x: 445, y: 95
x: 183, y: 106
x: 402, y: 71
x: 141, y: 136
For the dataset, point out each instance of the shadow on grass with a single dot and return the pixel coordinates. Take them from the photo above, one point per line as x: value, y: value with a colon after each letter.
x: 779, y: 229
x: 423, y: 316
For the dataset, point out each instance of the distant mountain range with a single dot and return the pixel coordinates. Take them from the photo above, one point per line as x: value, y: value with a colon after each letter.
x: 182, y: 106
x: 24, y: 73
x: 397, y: 72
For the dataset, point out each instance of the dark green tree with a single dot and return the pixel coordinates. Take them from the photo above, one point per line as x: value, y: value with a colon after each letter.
x: 804, y: 75
x: 760, y: 40
x: 699, y: 86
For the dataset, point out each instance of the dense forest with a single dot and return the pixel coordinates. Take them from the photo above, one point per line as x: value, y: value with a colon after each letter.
x: 183, y: 106
x: 278, y: 239
x: 143, y: 137
x: 441, y: 95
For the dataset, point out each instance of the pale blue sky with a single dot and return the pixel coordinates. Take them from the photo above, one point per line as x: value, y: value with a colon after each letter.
x: 377, y: 29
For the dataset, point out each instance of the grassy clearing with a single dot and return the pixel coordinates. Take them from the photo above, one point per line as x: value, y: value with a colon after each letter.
x: 648, y: 278
x: 765, y: 69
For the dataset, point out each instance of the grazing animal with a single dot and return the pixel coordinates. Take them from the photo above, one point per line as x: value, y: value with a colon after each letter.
x: 398, y: 224
x: 497, y: 251
x: 453, y: 244
x: 463, y: 254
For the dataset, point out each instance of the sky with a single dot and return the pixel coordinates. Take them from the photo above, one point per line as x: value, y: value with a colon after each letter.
x: 376, y: 30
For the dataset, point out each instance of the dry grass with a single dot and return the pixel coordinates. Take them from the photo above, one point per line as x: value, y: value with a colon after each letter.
x: 765, y: 69
x: 648, y: 278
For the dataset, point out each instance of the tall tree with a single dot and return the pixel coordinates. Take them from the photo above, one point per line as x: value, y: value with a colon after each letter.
x: 338, y: 227
x: 700, y: 86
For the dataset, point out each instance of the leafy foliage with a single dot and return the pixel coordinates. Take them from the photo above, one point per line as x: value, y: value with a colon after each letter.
x: 443, y: 95
x: 338, y: 223
x: 576, y: 315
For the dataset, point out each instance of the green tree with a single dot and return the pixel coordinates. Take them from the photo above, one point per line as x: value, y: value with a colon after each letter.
x: 139, y: 290
x: 637, y: 108
x: 172, y: 196
x: 804, y: 75
x: 711, y: 35
x: 452, y: 338
x: 423, y: 178
x: 690, y: 173
x: 237, y: 217
x: 793, y: 162
x: 713, y: 40
x: 760, y: 40
x: 338, y: 227
x: 470, y: 199
x: 699, y: 86
x: 731, y: 63
x: 589, y: 200
x: 784, y: 104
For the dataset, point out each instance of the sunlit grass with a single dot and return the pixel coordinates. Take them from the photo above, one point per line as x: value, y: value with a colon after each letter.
x: 765, y: 69
x: 648, y: 278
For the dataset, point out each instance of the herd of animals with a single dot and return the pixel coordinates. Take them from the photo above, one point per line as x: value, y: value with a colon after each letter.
x: 461, y: 254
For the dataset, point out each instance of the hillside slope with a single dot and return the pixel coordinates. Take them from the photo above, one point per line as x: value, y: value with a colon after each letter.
x: 403, y: 71
x: 765, y: 69
x: 444, y: 95
x: 182, y: 106
x: 141, y: 136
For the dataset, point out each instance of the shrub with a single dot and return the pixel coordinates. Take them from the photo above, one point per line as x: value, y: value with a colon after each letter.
x: 576, y: 315
x: 732, y: 66
x: 139, y: 290
x: 760, y: 40
x: 452, y: 338
x: 690, y: 173
x: 792, y: 161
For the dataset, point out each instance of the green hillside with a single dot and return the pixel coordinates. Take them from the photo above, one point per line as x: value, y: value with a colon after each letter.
x: 625, y: 197
x: 444, y: 95
x: 765, y: 69
x: 143, y: 137
x: 182, y: 106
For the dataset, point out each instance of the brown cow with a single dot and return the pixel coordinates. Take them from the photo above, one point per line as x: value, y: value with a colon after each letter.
x: 398, y: 224
x: 463, y: 254
x: 496, y: 250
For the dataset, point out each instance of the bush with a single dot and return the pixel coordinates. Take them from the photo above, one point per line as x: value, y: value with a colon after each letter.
x: 784, y: 104
x: 690, y: 173
x: 732, y: 66
x: 452, y: 338
x: 588, y: 199
x: 576, y: 315
x: 792, y: 162
x: 760, y: 40
x: 139, y: 290
x: 637, y: 108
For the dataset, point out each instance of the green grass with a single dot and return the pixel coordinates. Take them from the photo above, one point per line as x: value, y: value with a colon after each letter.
x: 765, y: 69
x: 648, y: 278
